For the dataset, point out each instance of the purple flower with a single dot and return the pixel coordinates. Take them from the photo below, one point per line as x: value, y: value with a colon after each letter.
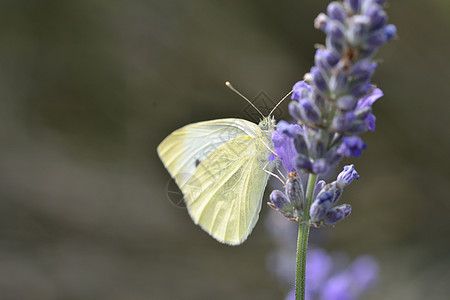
x: 285, y: 149
x: 347, y: 175
x: 337, y: 214
x: 390, y: 31
x: 328, y: 280
x: 351, y: 146
x: 280, y: 201
x: 368, y: 101
x: 291, y: 130
x: 365, y: 271
x: 300, y: 90
x: 325, y: 59
x: 318, y: 79
x: 338, y: 288
x: 336, y: 12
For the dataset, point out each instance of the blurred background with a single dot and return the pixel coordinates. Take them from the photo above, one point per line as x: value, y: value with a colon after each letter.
x: 88, y: 89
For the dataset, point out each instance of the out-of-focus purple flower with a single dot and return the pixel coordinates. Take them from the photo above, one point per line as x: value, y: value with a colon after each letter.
x: 336, y: 11
x: 365, y: 271
x: 390, y: 31
x: 338, y: 288
x: 327, y: 280
x: 351, y: 146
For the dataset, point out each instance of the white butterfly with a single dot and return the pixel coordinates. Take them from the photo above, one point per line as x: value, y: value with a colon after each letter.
x: 222, y: 168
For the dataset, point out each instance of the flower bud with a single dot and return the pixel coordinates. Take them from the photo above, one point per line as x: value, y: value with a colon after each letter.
x: 326, y: 59
x: 377, y: 16
x: 294, y: 110
x: 320, y: 206
x: 300, y: 90
x: 319, y: 186
x: 319, y: 79
x: 281, y: 202
x: 346, y: 102
x: 390, y: 31
x: 348, y: 175
x: 353, y: 5
x: 336, y: 11
x: 351, y: 145
x: 294, y: 191
x: 310, y: 114
x: 376, y: 39
x: 337, y: 213
x: 335, y: 30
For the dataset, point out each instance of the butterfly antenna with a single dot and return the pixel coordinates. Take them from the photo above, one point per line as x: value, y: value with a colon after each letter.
x: 228, y: 84
x: 280, y: 103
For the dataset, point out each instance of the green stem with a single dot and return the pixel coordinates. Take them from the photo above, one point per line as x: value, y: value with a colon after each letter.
x: 302, y: 242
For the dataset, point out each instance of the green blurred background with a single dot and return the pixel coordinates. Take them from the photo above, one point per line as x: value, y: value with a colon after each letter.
x: 89, y: 88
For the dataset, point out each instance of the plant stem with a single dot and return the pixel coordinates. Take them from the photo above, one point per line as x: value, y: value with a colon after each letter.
x: 302, y: 241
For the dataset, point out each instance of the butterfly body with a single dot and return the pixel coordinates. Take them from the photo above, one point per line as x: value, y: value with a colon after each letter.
x: 220, y: 166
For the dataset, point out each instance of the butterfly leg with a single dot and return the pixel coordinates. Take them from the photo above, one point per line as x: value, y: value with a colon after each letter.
x: 274, y: 175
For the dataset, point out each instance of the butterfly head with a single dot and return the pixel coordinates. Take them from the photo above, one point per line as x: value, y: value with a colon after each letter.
x: 267, y: 124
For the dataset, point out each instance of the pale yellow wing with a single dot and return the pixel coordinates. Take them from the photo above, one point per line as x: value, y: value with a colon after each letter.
x: 224, y: 195
x: 184, y: 149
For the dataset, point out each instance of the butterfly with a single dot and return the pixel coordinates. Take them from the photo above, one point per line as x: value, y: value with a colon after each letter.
x: 222, y: 168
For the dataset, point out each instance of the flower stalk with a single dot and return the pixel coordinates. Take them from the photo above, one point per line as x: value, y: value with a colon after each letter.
x: 302, y: 242
x: 332, y: 107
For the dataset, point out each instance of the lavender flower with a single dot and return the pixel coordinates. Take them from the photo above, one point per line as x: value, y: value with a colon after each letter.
x: 332, y: 107
x: 333, y: 104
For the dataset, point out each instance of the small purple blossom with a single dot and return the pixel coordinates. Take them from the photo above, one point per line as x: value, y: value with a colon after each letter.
x: 368, y: 101
x: 284, y: 144
x: 300, y: 90
x: 348, y: 175
x: 351, y: 146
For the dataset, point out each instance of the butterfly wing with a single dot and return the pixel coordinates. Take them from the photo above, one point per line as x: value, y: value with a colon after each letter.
x: 218, y: 166
x: 184, y: 149
x: 224, y: 195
